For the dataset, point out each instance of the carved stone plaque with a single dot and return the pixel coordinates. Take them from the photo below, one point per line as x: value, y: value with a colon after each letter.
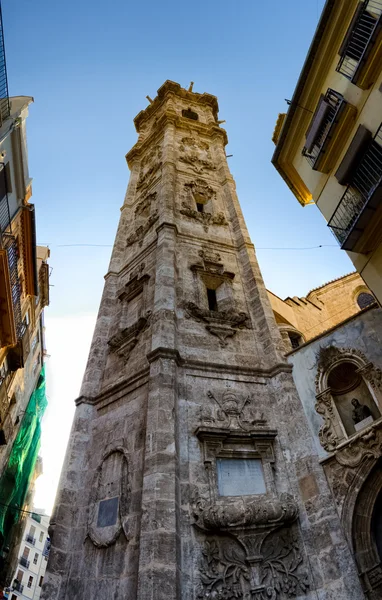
x: 240, y: 476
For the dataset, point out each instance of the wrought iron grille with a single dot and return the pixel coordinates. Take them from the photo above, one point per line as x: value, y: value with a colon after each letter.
x: 10, y: 245
x: 5, y: 215
x: 24, y: 562
x: 335, y: 102
x: 30, y: 539
x: 367, y: 178
x: 4, y: 95
x: 364, y: 30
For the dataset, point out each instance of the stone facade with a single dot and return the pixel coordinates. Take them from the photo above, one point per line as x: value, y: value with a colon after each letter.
x: 331, y: 370
x: 191, y: 471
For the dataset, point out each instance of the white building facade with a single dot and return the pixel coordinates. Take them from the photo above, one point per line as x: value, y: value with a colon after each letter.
x: 32, y: 558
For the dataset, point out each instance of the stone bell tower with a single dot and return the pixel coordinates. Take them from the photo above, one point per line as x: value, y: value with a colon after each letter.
x: 190, y: 471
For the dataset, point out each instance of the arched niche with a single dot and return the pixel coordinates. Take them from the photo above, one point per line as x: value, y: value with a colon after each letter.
x: 348, y: 396
x: 362, y: 520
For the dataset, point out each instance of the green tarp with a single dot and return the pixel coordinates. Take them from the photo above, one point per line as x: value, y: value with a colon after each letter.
x: 14, y: 482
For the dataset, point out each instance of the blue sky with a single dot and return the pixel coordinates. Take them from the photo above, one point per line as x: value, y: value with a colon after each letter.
x: 89, y: 65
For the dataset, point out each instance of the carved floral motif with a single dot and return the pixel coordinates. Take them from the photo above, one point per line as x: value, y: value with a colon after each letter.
x: 228, y: 571
x: 362, y: 446
x: 143, y: 207
x: 200, y: 190
x: 324, y: 407
x: 150, y: 164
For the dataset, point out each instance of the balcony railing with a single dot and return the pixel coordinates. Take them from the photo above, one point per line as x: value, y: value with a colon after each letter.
x: 361, y: 198
x: 4, y: 95
x: 17, y: 586
x: 360, y: 38
x: 24, y: 562
x: 12, y: 253
x: 5, y: 215
x: 331, y: 105
x: 30, y: 539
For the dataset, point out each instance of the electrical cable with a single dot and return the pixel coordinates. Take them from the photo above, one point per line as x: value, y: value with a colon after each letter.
x: 257, y: 247
x: 29, y: 512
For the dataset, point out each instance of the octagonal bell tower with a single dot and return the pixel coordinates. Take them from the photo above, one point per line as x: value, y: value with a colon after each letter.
x: 190, y: 471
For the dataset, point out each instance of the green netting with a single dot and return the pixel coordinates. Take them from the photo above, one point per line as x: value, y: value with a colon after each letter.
x: 16, y: 478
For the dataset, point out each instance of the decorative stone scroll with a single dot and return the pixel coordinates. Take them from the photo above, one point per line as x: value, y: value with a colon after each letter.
x: 150, y: 165
x: 367, y: 444
x: 223, y: 324
x: 232, y: 413
x: 110, y: 498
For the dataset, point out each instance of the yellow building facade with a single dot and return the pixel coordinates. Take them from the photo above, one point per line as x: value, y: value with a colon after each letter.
x: 329, y: 144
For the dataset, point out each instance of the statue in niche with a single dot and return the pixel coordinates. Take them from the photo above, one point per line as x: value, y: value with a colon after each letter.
x: 360, y: 411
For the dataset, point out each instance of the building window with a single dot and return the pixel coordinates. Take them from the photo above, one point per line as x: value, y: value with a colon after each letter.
x: 41, y: 580
x: 212, y: 301
x: 41, y: 536
x: 190, y: 114
x: 14, y: 597
x: 200, y: 207
x: 35, y: 558
x: 361, y: 171
x: 365, y: 299
x: 359, y: 39
x: 240, y: 476
x: 320, y: 131
x: 30, y: 581
x: 295, y: 340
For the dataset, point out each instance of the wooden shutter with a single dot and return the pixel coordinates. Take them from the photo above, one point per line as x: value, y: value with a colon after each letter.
x: 354, y: 154
x: 316, y: 123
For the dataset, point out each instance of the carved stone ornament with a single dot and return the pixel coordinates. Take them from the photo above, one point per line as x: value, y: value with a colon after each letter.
x: 140, y: 232
x: 135, y: 285
x: 324, y: 407
x: 366, y: 444
x: 205, y: 218
x: 327, y: 357
x: 200, y: 190
x: 125, y: 340
x: 211, y: 265
x: 232, y: 413
x: 109, y: 508
x: 223, y: 324
x: 247, y: 512
x: 150, y: 164
x: 143, y: 207
x: 266, y: 570
x: 196, y: 154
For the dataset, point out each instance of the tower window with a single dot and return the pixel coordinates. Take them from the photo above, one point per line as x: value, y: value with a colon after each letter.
x: 295, y: 340
x: 212, y: 302
x: 190, y: 114
x: 365, y: 299
x: 200, y: 207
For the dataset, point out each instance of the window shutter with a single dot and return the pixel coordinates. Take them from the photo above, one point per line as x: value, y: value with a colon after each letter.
x: 316, y: 124
x: 354, y: 153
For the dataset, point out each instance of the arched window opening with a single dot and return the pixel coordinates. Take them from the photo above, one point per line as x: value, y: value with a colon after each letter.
x: 353, y: 400
x: 295, y: 339
x: 190, y: 114
x: 365, y: 299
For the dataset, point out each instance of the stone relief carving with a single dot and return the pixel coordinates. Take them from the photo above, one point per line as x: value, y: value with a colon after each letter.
x: 367, y: 444
x: 196, y: 154
x: 139, y: 234
x: 223, y: 324
x: 150, y: 164
x: 257, y: 565
x: 144, y: 206
x: 205, y: 218
x: 327, y: 435
x: 200, y: 190
x: 101, y: 534
x: 330, y: 355
x: 232, y: 413
x: 123, y: 342
x: 209, y: 256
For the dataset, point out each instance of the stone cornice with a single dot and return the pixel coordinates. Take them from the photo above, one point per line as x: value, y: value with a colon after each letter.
x: 170, y: 88
x: 114, y: 389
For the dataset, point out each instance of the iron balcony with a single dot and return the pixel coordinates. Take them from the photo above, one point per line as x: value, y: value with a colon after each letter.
x: 357, y: 208
x: 24, y: 562
x: 30, y: 539
x: 333, y: 104
x: 359, y: 40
